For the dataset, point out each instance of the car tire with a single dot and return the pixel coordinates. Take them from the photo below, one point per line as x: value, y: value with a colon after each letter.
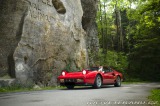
x: 98, y: 82
x: 118, y: 82
x: 70, y: 86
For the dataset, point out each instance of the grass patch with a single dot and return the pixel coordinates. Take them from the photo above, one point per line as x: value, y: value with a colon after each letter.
x: 128, y: 80
x: 131, y: 82
x: 155, y: 96
x: 13, y: 89
x: 5, y: 77
x: 134, y: 82
x: 26, y: 89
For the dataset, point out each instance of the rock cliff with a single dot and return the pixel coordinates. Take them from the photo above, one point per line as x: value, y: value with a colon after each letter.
x: 39, y: 38
x: 89, y: 25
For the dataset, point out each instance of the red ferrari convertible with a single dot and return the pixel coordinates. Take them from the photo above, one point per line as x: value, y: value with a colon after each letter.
x: 94, y: 76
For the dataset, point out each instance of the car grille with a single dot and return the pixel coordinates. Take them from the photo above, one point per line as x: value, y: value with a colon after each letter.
x: 70, y: 80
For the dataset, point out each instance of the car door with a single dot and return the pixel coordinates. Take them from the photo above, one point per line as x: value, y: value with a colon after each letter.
x: 108, y: 75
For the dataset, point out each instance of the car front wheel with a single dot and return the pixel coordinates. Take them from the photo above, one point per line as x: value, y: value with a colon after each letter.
x: 98, y: 82
x: 118, y: 82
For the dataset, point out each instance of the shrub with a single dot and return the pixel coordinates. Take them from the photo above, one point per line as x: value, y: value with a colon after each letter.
x: 155, y: 96
x: 113, y: 59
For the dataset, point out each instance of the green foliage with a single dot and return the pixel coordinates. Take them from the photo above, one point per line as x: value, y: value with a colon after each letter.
x: 68, y: 68
x: 144, y: 56
x: 114, y: 59
x: 140, y: 20
x: 155, y: 96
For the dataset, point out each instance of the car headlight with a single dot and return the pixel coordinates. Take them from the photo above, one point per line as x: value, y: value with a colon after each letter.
x: 84, y: 72
x: 63, y: 73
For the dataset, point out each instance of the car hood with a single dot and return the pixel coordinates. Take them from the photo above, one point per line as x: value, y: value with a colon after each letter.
x: 74, y: 73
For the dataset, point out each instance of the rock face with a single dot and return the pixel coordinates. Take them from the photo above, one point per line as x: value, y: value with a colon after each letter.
x: 39, y: 38
x: 89, y: 25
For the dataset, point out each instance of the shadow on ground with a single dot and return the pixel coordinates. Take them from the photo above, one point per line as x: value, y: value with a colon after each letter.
x: 89, y: 87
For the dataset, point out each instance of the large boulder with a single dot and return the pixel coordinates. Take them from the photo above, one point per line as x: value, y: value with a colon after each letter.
x: 39, y: 38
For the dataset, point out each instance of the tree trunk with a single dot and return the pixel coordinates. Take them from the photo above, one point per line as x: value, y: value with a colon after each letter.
x: 105, y: 34
x: 120, y: 31
x: 120, y: 45
x: 117, y: 27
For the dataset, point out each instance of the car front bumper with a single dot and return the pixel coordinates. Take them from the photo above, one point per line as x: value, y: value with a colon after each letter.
x: 76, y: 81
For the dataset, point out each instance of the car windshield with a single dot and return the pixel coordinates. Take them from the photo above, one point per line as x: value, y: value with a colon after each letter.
x: 93, y: 68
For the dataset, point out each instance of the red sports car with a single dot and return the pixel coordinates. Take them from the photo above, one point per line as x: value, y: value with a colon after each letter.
x: 94, y: 76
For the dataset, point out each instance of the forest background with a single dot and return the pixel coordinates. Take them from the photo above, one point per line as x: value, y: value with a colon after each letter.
x: 129, y: 37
